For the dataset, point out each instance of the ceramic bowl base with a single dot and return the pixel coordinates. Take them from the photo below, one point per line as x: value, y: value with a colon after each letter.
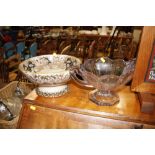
x: 52, y: 91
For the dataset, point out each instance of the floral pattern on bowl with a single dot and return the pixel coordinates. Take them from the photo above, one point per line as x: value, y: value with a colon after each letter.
x: 49, y: 71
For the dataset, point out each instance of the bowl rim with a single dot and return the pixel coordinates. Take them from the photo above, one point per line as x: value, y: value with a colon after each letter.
x: 47, y: 55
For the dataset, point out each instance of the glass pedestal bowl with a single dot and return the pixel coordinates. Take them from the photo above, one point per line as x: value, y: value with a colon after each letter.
x: 50, y: 72
x: 106, y: 75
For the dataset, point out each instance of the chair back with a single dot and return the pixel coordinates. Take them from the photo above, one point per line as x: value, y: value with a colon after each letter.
x: 66, y: 50
x: 80, y: 49
x: 9, y: 48
x: 91, y: 50
x: 33, y: 49
x: 2, y: 67
x: 20, y: 47
x: 62, y: 45
x: 12, y: 64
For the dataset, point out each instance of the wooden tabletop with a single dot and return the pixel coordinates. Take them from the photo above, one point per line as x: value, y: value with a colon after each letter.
x: 76, y: 100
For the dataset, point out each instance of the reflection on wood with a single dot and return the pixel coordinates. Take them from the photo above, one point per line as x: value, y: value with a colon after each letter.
x: 75, y: 110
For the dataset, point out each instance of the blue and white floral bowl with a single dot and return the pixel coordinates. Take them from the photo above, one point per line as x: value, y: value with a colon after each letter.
x: 50, y: 72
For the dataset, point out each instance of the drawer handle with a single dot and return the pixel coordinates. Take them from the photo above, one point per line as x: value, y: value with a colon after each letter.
x: 138, y: 126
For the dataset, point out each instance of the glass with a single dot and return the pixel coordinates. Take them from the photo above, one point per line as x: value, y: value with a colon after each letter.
x: 106, y: 75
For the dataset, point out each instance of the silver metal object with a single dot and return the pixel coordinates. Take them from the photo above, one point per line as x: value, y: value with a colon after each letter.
x: 18, y: 91
x: 5, y: 113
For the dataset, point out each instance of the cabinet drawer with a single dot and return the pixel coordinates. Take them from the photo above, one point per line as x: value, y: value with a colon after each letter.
x: 41, y: 117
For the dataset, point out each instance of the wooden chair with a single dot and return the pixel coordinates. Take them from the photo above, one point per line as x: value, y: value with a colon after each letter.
x: 91, y: 50
x: 47, y: 47
x: 81, y: 49
x: 11, y: 67
x: 66, y: 50
x: 132, y: 51
x: 3, y: 68
x: 32, y: 51
x: 63, y: 45
x: 4, y: 76
x: 101, y: 43
x: 20, y: 36
x: 9, y: 49
x: 20, y: 48
x: 29, y: 41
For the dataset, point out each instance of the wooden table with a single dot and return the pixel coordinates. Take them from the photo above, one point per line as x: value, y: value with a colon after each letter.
x: 75, y: 110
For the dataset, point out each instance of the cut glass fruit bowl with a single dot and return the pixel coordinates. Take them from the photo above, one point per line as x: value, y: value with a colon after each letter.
x: 106, y: 75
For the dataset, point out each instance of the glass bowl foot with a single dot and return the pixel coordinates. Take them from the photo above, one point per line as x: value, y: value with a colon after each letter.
x: 103, y: 98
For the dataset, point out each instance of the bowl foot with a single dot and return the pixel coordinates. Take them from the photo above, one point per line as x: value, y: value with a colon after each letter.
x: 102, y: 98
x: 52, y: 91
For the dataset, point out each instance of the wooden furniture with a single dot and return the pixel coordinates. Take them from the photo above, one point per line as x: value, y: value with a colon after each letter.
x: 9, y: 67
x: 75, y: 110
x: 141, y: 82
x: 12, y: 66
x: 147, y: 102
x: 9, y: 49
x: 145, y: 49
x: 48, y: 47
x: 70, y: 43
x: 3, y: 73
x: 3, y: 69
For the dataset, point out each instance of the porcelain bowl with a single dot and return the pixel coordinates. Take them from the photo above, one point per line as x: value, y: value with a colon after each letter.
x: 50, y: 72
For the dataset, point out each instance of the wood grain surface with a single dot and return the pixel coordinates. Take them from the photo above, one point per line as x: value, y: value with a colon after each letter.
x: 75, y: 110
